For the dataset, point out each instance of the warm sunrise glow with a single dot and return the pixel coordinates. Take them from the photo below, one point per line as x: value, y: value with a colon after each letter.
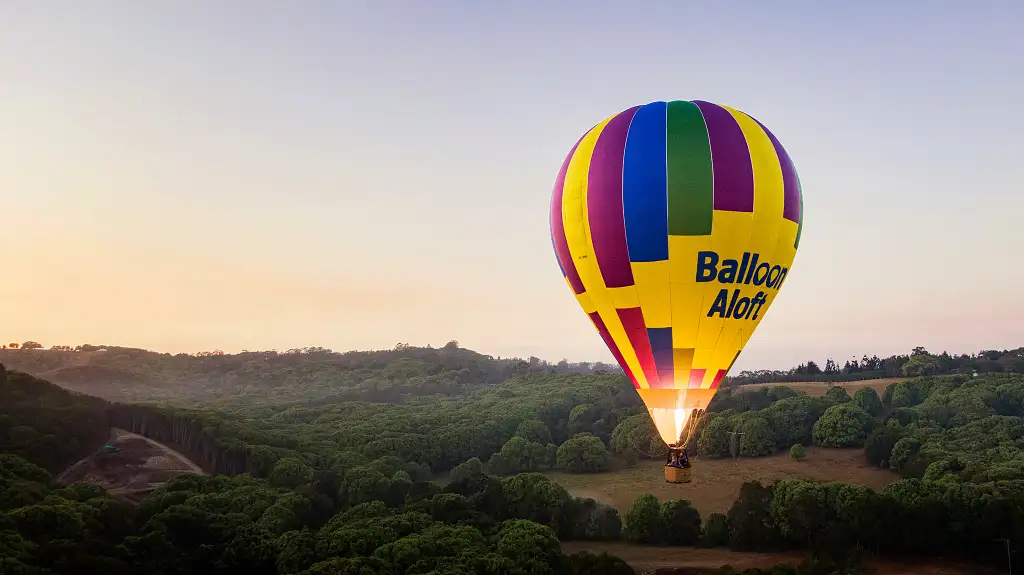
x: 670, y: 423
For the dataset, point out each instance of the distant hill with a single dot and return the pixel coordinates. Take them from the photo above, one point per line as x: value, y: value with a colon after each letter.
x: 398, y: 375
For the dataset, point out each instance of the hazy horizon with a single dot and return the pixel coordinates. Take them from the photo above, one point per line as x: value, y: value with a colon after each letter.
x: 191, y: 176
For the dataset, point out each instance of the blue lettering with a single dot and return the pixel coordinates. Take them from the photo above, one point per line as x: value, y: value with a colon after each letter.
x: 707, y: 263
x: 761, y: 274
x: 721, y: 302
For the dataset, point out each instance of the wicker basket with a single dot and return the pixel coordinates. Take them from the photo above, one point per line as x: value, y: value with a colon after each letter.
x: 677, y: 474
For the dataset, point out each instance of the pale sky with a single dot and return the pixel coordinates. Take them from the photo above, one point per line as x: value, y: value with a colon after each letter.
x: 193, y: 175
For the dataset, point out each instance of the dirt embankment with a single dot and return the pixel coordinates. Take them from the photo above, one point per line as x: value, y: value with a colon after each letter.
x: 134, y: 467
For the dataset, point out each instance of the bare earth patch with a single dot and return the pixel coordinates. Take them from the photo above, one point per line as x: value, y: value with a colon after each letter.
x: 716, y: 482
x: 140, y: 466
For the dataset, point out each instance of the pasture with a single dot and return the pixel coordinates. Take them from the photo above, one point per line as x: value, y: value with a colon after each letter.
x: 716, y: 482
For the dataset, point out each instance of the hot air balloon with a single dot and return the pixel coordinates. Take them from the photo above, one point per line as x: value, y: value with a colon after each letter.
x: 675, y: 224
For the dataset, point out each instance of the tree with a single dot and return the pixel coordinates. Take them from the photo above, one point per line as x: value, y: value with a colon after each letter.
x: 583, y: 454
x: 469, y: 468
x: 534, y: 431
x: 879, y: 445
x: 750, y: 520
x: 842, y: 425
x: 920, y: 365
x: 31, y: 345
x: 633, y: 436
x: 681, y: 523
x: 757, y: 438
x: 867, y: 399
x: 644, y: 522
x: 714, y: 438
x: 797, y: 452
x: 837, y: 394
x: 716, y: 531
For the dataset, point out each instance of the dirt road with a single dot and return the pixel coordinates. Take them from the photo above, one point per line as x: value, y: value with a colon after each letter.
x: 140, y: 465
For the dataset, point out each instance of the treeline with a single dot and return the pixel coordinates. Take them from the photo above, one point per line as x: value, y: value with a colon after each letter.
x: 303, y: 375
x: 918, y: 363
x: 835, y: 520
x: 953, y: 428
x: 46, y: 424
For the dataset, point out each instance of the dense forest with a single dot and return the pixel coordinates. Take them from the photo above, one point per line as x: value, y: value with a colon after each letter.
x: 314, y: 481
x: 47, y: 425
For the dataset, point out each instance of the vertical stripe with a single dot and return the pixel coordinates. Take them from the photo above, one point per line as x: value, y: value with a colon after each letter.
x: 558, y: 228
x: 661, y: 347
x: 800, y: 224
x: 791, y: 182
x: 554, y: 247
x: 578, y: 235
x: 604, y: 202
x: 644, y: 200
x: 607, y: 337
x: 763, y: 237
x: 633, y: 321
x: 690, y: 175
x: 730, y: 158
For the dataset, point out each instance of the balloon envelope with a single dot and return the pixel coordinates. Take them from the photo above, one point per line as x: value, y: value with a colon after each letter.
x: 675, y: 225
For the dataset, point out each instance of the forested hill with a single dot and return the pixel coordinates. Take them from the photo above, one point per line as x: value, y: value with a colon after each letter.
x: 404, y: 374
x: 398, y: 375
x: 47, y: 425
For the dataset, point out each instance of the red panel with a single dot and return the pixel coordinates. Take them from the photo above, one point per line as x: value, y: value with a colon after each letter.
x: 633, y: 321
x: 718, y: 378
x: 696, y: 378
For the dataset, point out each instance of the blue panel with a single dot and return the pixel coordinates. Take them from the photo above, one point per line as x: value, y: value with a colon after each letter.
x: 661, y: 345
x: 644, y: 185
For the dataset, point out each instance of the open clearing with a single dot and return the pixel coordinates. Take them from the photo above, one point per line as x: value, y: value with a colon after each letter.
x: 668, y: 559
x: 139, y: 467
x: 818, y: 388
x: 716, y: 482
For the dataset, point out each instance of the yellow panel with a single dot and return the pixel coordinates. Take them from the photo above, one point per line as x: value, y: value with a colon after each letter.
x: 581, y: 248
x: 769, y: 191
x: 769, y: 198
x: 652, y: 283
x: 729, y: 237
x: 624, y: 297
x: 685, y: 293
x: 586, y: 302
x: 682, y: 359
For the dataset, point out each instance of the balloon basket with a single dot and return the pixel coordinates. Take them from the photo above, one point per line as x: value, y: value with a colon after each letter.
x: 677, y: 474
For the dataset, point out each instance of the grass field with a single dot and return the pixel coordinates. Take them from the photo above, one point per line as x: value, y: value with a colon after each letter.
x: 818, y: 388
x: 716, y: 482
x: 648, y: 559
